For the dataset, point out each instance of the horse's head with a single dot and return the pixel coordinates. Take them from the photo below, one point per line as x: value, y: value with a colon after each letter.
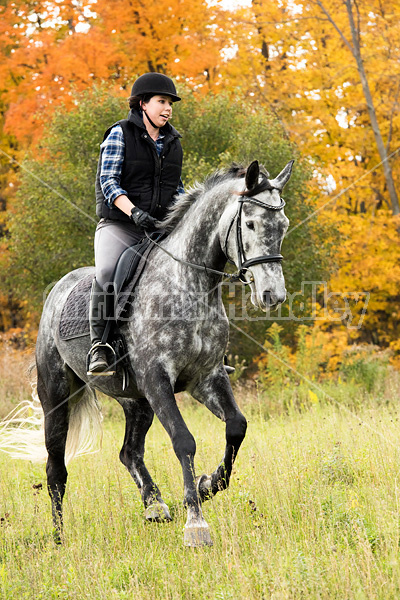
x: 251, y: 232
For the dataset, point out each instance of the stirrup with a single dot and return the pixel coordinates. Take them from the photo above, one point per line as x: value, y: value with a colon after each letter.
x: 111, y: 369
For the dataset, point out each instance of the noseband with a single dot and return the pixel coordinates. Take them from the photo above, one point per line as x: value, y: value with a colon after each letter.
x: 243, y: 263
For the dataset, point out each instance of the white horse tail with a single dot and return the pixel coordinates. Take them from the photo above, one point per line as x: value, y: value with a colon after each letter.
x: 22, y: 431
x: 85, y: 432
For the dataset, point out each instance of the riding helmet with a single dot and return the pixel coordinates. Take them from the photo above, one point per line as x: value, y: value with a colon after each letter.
x: 155, y: 83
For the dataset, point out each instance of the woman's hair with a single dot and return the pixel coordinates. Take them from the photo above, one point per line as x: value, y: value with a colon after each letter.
x: 134, y: 101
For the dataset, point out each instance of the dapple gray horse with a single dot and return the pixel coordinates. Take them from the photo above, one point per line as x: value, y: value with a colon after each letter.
x: 173, y: 345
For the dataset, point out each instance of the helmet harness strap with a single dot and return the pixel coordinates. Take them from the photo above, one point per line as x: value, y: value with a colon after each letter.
x: 148, y: 118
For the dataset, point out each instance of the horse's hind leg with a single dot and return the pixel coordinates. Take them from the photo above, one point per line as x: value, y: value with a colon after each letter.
x: 216, y: 393
x: 139, y: 417
x: 53, y: 389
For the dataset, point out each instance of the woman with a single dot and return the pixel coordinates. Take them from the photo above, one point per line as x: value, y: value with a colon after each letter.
x: 138, y: 175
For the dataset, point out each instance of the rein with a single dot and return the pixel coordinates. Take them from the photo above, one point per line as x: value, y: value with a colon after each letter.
x: 231, y: 276
x: 242, y: 263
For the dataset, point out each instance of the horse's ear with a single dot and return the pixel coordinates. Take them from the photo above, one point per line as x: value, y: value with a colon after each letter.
x: 252, y: 173
x: 281, y: 180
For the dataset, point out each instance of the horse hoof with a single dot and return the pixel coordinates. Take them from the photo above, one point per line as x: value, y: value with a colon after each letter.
x: 197, y: 535
x: 157, y: 513
x: 203, y: 486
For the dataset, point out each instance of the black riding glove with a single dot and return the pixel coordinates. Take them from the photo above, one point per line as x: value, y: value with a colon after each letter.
x: 141, y: 218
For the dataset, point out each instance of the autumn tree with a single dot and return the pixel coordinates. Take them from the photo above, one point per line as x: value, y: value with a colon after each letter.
x: 313, y: 64
x: 49, y: 48
x: 354, y: 45
x: 293, y: 58
x: 329, y: 73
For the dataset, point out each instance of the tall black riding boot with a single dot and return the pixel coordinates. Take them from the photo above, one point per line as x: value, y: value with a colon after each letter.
x: 100, y: 351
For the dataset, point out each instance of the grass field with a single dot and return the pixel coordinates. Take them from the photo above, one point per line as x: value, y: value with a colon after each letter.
x: 312, y: 512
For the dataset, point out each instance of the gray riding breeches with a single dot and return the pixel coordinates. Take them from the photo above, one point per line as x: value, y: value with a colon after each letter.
x: 110, y: 240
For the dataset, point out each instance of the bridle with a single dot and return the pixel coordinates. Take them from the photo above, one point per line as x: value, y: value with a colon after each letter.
x: 242, y: 263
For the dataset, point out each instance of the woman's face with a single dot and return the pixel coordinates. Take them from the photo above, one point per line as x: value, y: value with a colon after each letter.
x: 159, y: 109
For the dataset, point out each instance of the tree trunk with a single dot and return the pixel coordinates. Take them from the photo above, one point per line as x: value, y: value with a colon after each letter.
x: 371, y: 111
x: 356, y: 52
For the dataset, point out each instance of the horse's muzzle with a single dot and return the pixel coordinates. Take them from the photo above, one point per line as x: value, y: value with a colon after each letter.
x: 272, y: 299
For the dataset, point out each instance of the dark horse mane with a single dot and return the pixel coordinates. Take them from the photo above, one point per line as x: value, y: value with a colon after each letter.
x: 181, y: 206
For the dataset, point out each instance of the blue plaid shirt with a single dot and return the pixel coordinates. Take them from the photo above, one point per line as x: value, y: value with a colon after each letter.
x: 112, y: 158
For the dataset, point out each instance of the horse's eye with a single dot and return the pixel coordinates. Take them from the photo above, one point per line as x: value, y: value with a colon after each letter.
x: 250, y: 225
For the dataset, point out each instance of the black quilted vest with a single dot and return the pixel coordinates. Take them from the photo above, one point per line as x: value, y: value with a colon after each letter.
x: 150, y: 180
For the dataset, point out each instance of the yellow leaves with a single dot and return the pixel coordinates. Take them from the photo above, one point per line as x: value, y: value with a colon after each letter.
x: 307, y: 73
x: 318, y: 355
x: 369, y: 261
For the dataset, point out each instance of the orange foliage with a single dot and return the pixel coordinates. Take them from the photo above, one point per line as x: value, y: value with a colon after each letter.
x: 44, y: 63
x: 44, y: 56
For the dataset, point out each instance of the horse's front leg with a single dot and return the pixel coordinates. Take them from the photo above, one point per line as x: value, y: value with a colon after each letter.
x: 159, y: 393
x: 215, y: 392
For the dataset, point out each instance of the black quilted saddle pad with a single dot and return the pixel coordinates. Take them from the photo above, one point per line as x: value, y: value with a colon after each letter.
x: 74, y: 321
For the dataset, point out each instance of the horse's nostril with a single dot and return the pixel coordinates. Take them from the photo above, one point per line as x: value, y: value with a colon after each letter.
x: 273, y: 298
x: 267, y: 298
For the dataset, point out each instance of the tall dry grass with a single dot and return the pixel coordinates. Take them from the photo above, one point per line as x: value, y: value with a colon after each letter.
x: 313, y: 510
x: 15, y: 376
